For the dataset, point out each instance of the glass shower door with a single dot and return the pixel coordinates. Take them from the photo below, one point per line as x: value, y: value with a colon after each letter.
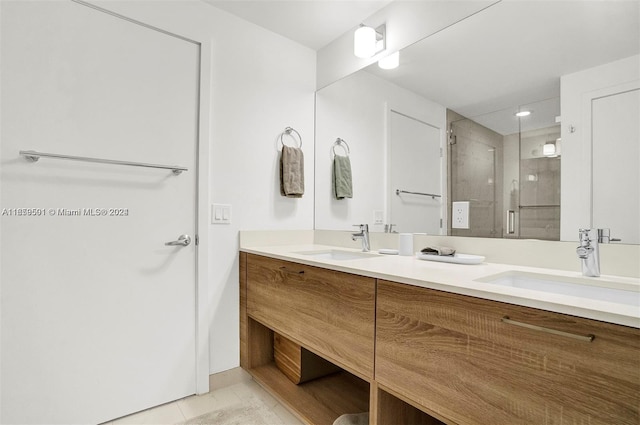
x: 475, y: 176
x: 539, y: 206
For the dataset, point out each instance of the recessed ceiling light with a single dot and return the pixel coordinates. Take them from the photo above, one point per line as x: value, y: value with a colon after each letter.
x: 523, y: 114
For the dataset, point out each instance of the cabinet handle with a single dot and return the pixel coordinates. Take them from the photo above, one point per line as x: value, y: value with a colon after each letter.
x: 587, y: 338
x: 286, y: 270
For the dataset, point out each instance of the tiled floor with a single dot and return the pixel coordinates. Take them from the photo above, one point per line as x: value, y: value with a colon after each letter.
x: 234, y: 399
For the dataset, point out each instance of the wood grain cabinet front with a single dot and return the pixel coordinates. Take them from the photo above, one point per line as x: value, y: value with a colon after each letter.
x: 330, y: 313
x: 475, y: 361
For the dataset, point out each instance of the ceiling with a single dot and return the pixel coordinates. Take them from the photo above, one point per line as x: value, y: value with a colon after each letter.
x: 313, y: 23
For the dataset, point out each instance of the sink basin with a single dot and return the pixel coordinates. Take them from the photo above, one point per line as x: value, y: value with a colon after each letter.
x: 337, y: 254
x: 601, y: 290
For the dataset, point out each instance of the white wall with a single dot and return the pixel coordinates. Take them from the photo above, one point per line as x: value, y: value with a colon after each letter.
x: 577, y: 90
x: 355, y: 109
x: 258, y: 83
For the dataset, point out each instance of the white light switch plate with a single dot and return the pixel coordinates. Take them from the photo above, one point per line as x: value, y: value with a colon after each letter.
x: 220, y: 214
x: 378, y: 217
x: 460, y: 215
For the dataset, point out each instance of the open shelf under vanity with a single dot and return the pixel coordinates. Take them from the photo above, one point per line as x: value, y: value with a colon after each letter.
x: 321, y: 400
x: 318, y: 401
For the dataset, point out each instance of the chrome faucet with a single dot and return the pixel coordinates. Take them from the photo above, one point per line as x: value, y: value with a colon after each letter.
x: 588, y: 252
x: 604, y: 236
x: 362, y: 234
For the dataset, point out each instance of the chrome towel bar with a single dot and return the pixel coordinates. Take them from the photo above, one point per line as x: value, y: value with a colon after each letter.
x: 398, y: 192
x: 34, y: 156
x: 288, y: 131
x: 343, y: 144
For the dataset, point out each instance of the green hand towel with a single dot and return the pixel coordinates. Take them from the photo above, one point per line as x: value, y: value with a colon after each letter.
x: 342, y: 177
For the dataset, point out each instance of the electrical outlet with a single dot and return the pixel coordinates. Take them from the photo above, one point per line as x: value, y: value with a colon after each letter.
x: 460, y: 215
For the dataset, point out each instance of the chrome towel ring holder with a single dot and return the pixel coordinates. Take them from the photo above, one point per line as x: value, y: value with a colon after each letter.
x: 288, y: 132
x: 341, y: 143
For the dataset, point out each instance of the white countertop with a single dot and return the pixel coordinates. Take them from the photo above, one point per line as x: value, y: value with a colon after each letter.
x: 461, y: 279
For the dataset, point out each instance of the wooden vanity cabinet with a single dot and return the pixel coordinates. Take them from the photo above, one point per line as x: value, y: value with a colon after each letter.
x: 440, y: 358
x: 328, y: 312
x: 456, y: 357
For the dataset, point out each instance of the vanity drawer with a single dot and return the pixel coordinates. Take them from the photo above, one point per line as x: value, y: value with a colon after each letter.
x: 457, y: 356
x: 330, y: 313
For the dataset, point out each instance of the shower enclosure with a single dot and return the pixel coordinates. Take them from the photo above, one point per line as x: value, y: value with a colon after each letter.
x: 510, y: 179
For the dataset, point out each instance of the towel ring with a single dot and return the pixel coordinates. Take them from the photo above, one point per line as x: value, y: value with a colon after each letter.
x: 345, y: 146
x: 288, y: 132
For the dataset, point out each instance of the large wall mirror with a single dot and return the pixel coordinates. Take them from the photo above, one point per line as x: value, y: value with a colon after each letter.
x: 443, y: 143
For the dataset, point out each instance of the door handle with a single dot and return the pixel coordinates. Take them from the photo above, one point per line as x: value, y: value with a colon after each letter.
x: 511, y: 222
x: 183, y: 240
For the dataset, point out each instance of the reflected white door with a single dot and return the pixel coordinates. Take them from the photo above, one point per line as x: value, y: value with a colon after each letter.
x: 98, y: 315
x: 415, y: 165
x: 616, y: 164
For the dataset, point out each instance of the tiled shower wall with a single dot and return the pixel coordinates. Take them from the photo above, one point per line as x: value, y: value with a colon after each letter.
x: 476, y: 175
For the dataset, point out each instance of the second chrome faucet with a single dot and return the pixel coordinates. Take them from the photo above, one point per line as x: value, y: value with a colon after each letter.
x: 364, y: 235
x: 588, y: 251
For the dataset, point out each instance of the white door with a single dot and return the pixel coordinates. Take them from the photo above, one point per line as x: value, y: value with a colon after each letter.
x: 414, y: 166
x: 98, y: 315
x: 616, y: 164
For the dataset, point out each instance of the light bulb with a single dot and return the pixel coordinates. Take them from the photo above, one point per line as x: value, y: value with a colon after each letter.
x: 364, y: 42
x: 549, y: 149
x: 390, y: 62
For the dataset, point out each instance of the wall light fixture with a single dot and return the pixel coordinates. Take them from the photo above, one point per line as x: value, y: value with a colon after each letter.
x: 552, y: 149
x: 390, y: 62
x: 549, y: 149
x: 368, y: 41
